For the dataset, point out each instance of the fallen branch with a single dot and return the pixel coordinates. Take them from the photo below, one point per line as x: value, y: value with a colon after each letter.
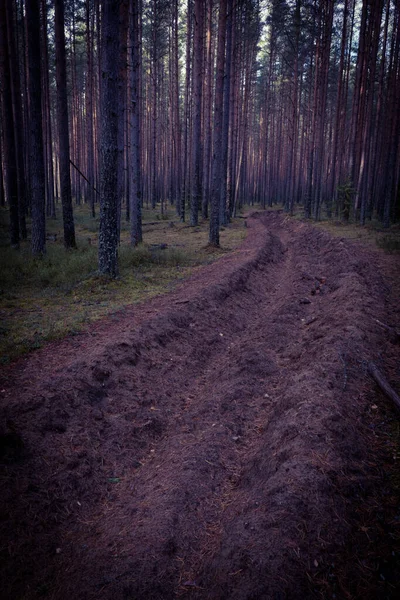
x: 310, y: 320
x: 394, y: 334
x: 383, y: 384
x: 161, y: 222
x: 84, y: 176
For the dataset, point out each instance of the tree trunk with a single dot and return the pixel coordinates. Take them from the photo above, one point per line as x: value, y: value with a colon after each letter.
x: 207, y: 104
x: 63, y: 130
x: 10, y: 156
x: 48, y: 141
x: 216, y: 168
x: 122, y: 88
x: 17, y: 117
x: 108, y: 233
x: 186, y: 117
x: 37, y: 172
x: 2, y: 197
x: 196, y: 194
x: 135, y: 154
x: 89, y: 108
x: 340, y: 107
x: 224, y: 208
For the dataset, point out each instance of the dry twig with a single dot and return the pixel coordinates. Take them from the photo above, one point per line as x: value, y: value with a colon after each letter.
x: 383, y: 384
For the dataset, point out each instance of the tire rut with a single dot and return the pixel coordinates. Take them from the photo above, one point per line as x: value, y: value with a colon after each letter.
x: 220, y: 441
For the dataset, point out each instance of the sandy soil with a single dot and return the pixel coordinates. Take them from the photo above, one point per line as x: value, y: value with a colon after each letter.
x: 220, y: 442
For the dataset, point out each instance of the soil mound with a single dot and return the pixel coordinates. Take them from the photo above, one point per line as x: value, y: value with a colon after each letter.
x: 212, y: 443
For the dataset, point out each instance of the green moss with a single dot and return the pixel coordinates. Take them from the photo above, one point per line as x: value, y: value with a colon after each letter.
x: 61, y: 293
x: 389, y: 243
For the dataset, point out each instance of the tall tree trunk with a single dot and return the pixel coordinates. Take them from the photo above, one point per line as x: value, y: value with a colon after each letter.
x: 89, y: 107
x: 176, y: 158
x: 186, y: 117
x: 207, y: 105
x: 17, y: 117
x: 122, y: 87
x: 224, y: 208
x: 2, y: 196
x: 375, y: 176
x: 10, y: 156
x: 196, y: 194
x: 36, y: 163
x: 154, y: 87
x: 295, y: 109
x: 232, y: 117
x: 49, y: 170
x: 359, y: 96
x: 108, y: 232
x: 322, y: 77
x: 176, y: 103
x: 391, y: 189
x: 216, y: 168
x: 74, y: 112
x: 63, y: 129
x: 134, y: 113
x: 340, y: 107
x: 362, y: 178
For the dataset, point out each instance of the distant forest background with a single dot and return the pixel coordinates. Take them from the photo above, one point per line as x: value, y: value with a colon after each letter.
x: 204, y: 105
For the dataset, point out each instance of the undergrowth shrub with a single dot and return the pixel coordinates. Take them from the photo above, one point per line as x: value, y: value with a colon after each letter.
x: 86, y: 223
x: 61, y: 269
x: 45, y: 298
x: 389, y: 244
x: 57, y: 268
x: 146, y: 256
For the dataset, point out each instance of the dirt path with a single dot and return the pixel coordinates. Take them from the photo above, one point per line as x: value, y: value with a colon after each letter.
x: 215, y: 443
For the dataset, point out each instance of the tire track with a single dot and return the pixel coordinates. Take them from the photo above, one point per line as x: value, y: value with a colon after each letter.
x: 208, y: 450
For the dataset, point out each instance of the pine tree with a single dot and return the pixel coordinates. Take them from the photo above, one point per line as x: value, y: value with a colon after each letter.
x: 10, y: 156
x: 134, y: 118
x: 36, y: 156
x: 196, y: 190
x: 63, y: 130
x: 110, y: 52
x: 218, y: 108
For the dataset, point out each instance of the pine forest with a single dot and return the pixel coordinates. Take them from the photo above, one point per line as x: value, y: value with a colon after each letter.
x: 204, y: 106
x: 199, y: 299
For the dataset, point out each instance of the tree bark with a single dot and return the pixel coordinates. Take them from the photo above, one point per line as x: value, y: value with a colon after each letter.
x: 207, y: 109
x: 196, y: 194
x: 122, y: 102
x: 37, y: 172
x: 63, y: 128
x: 10, y: 156
x: 216, y: 168
x: 17, y: 118
x: 48, y: 138
x: 135, y: 155
x: 186, y: 117
x: 110, y: 48
x: 224, y: 208
x: 89, y: 108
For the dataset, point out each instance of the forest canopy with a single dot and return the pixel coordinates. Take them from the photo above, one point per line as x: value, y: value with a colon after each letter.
x: 204, y: 105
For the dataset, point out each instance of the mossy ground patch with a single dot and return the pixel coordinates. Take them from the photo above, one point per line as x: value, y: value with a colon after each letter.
x: 59, y: 294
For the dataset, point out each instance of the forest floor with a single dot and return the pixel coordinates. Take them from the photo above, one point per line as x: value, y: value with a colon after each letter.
x: 223, y: 441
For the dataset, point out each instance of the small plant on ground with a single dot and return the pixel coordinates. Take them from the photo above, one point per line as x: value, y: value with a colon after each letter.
x: 45, y: 299
x: 345, y: 194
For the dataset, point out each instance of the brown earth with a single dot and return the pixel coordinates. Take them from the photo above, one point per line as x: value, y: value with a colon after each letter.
x: 221, y: 442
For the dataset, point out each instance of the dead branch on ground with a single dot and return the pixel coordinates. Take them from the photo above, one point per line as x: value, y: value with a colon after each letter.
x: 383, y: 384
